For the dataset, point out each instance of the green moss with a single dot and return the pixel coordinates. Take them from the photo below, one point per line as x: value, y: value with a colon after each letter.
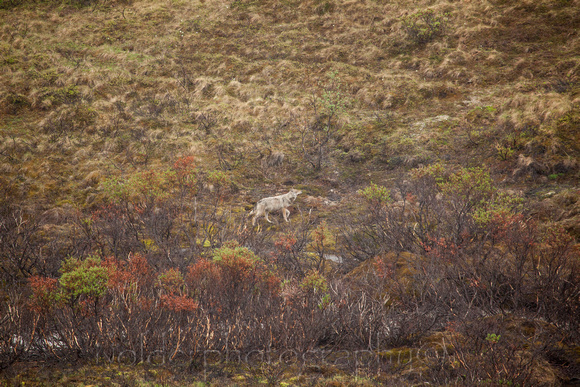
x: 67, y: 94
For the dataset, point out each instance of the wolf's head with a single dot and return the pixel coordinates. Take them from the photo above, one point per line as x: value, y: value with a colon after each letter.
x: 294, y: 192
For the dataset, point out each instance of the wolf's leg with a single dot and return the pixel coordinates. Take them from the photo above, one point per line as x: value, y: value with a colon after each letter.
x: 257, y: 214
x: 285, y: 213
x: 266, y: 215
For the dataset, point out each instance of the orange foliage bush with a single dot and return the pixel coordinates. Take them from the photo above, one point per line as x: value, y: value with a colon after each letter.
x: 177, y: 303
x: 43, y: 293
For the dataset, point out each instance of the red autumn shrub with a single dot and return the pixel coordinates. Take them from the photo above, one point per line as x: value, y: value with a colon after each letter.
x: 289, y: 252
x: 185, y: 176
x: 171, y: 281
x: 120, y: 279
x: 130, y: 282
x: 202, y: 274
x: 285, y: 243
x: 140, y: 268
x: 177, y: 303
x: 44, y: 293
x: 234, y: 280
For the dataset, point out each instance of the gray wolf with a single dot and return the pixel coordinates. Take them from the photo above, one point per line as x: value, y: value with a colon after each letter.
x: 275, y: 203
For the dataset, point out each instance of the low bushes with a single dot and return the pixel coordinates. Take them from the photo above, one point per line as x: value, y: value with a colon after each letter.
x: 445, y: 253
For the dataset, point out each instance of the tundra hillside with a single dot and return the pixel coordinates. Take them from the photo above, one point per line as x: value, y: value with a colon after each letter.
x: 436, y: 144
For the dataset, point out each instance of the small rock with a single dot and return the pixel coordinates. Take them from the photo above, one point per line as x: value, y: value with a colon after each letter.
x: 548, y: 194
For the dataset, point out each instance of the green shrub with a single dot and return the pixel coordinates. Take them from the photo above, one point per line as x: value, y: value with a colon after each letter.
x: 84, y: 278
x: 376, y: 195
x: 504, y: 152
x: 424, y: 26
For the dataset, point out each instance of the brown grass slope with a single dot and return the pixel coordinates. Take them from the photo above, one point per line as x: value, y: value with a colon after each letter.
x: 113, y: 87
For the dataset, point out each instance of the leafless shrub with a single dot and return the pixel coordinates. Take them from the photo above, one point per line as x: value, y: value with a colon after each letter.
x: 485, y: 351
x: 206, y: 121
x: 319, y: 129
x: 154, y: 107
x: 16, y: 327
x: 21, y: 244
x: 165, y: 271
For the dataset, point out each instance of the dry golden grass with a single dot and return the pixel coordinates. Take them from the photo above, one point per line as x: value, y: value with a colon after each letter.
x: 133, y: 84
